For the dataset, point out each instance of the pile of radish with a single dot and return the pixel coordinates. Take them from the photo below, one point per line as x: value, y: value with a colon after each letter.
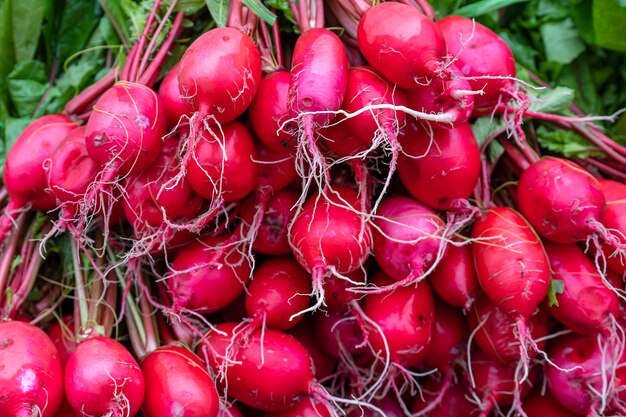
x: 309, y: 229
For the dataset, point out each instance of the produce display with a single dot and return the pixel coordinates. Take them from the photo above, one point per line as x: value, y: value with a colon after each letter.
x: 306, y: 208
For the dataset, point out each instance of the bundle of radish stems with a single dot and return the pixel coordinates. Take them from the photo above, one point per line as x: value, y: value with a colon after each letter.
x: 313, y: 233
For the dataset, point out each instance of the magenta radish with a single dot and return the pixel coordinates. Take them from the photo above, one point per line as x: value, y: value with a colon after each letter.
x: 223, y: 165
x: 278, y: 291
x: 483, y: 57
x: 408, y: 239
x: 177, y: 381
x: 175, y: 105
x: 71, y: 171
x: 404, y: 316
x: 582, y: 367
x: 400, y: 42
x: 448, y: 339
x: 450, y: 96
x: 316, y: 90
x: 200, y: 268
x: 440, y: 167
x: 24, y: 174
x: 538, y: 405
x: 562, y: 201
x: 453, y: 402
x: 272, y: 235
x: 328, y: 236
x: 61, y: 332
x: 275, y: 170
x: 103, y: 378
x: 31, y: 373
x: 496, y: 384
x: 150, y: 201
x: 494, y: 332
x: 305, y: 408
x: 270, y: 109
x: 337, y: 291
x: 124, y: 132
x: 614, y: 218
x: 454, y: 280
x: 585, y: 305
x: 339, y: 333
x: 324, y: 364
x: 367, y: 89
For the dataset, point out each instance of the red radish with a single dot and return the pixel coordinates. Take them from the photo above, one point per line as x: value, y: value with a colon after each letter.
x: 316, y: 91
x: 453, y: 402
x: 31, y: 373
x: 177, y: 382
x: 24, y: 174
x: 200, y: 268
x: 270, y: 109
x: 329, y: 236
x: 511, y: 263
x: 482, y: 56
x: 337, y: 290
x: 562, y: 201
x: 440, y: 167
x: 494, y: 332
x: 408, y: 239
x: 71, y: 170
x: 339, y: 333
x: 614, y: 218
x: 585, y: 305
x: 451, y: 96
x: 305, y: 408
x: 324, y: 364
x: 125, y: 129
x: 405, y: 317
x: 496, y: 384
x: 340, y: 142
x: 585, y: 364
x: 448, y: 338
x: 278, y: 291
x: 272, y: 237
x: 276, y: 170
x: 219, y: 75
x: 454, y: 280
x: 229, y: 411
x: 512, y: 268
x: 277, y: 359
x: 223, y: 164
x: 150, y: 202
x: 103, y: 378
x: 402, y: 44
x: 538, y: 405
x: 175, y: 106
x: 61, y: 332
x: 367, y: 89
x: 388, y: 405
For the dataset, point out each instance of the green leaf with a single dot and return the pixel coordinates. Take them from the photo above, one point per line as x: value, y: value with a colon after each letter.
x: 484, y: 128
x: 260, y: 10
x: 567, y: 143
x: 561, y: 41
x: 554, y: 100
x: 218, y: 10
x: 77, y: 77
x: 189, y: 6
x: 12, y: 130
x: 556, y: 287
x: 608, y: 24
x: 27, y: 84
x: 78, y: 22
x: 483, y: 7
x: 7, y: 55
x: 27, y: 17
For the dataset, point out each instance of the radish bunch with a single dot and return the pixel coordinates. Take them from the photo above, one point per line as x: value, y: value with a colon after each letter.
x: 312, y: 239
